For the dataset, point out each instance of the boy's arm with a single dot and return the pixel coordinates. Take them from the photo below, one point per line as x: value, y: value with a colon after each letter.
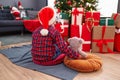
x: 64, y: 47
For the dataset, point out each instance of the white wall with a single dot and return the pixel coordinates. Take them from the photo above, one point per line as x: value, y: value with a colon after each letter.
x: 106, y: 7
x: 51, y: 3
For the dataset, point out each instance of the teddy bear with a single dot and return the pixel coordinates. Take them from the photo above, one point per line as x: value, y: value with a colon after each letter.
x: 76, y: 44
x: 88, y: 62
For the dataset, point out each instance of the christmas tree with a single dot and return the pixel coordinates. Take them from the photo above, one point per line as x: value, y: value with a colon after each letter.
x: 65, y: 6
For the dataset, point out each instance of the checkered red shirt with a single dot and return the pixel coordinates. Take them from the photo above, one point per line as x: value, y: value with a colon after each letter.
x: 43, y: 47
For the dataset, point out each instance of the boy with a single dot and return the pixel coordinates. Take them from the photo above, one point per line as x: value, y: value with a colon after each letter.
x: 48, y: 47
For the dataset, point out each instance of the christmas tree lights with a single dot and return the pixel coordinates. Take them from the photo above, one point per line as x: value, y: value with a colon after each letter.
x: 65, y: 6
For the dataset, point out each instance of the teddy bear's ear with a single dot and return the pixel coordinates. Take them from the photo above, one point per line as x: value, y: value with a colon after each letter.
x: 69, y: 39
x: 81, y: 40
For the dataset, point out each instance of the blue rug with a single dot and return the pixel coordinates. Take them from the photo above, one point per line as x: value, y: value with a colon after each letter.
x: 14, y: 38
x: 22, y: 56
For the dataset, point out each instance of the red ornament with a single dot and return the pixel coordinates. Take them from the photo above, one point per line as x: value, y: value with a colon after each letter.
x: 54, y: 2
x: 58, y: 10
x: 69, y: 3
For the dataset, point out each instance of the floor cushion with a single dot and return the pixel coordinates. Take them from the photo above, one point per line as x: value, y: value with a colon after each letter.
x: 90, y: 64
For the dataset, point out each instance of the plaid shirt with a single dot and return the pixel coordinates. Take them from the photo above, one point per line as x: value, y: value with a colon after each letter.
x: 43, y: 47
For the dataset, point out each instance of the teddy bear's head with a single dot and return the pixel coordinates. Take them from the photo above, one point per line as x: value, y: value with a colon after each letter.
x: 76, y: 45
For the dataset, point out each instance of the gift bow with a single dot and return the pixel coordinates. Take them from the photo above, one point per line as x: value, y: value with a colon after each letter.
x: 105, y: 42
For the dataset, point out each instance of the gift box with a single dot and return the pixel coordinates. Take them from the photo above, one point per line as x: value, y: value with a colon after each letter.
x: 86, y: 35
x: 77, y: 15
x: 105, y: 21
x: 64, y: 16
x: 76, y: 22
x: 116, y: 18
x: 84, y: 32
x: 103, y: 39
x: 92, y: 18
x: 63, y: 28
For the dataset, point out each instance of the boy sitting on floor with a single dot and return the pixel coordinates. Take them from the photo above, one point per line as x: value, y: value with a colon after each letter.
x: 48, y: 46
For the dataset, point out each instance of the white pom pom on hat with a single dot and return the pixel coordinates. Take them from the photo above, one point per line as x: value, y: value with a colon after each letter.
x: 46, y: 17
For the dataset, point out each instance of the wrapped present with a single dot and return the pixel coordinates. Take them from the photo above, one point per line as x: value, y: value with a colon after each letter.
x: 116, y: 17
x: 77, y: 15
x: 76, y: 22
x: 92, y: 18
x: 105, y: 21
x: 103, y: 39
x: 117, y: 40
x: 62, y: 27
x: 64, y: 16
x: 84, y: 32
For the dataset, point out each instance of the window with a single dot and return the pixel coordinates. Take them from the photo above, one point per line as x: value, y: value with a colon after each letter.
x: 107, y: 7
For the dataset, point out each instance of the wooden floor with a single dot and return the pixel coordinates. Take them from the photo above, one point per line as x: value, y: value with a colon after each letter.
x: 109, y: 71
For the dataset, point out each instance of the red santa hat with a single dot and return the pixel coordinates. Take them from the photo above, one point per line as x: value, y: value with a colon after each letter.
x: 46, y: 17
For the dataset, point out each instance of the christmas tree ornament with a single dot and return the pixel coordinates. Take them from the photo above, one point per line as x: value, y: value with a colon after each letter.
x: 16, y: 13
x: 20, y: 5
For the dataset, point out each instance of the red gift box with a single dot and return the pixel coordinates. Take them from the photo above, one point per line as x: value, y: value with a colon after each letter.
x: 77, y: 14
x: 83, y: 32
x: 92, y: 18
x: 62, y: 28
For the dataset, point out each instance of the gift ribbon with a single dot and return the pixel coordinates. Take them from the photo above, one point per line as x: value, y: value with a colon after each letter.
x: 63, y: 26
x: 92, y: 20
x: 102, y: 41
x: 115, y: 16
x: 106, y: 21
x: 76, y: 13
x: 80, y: 33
